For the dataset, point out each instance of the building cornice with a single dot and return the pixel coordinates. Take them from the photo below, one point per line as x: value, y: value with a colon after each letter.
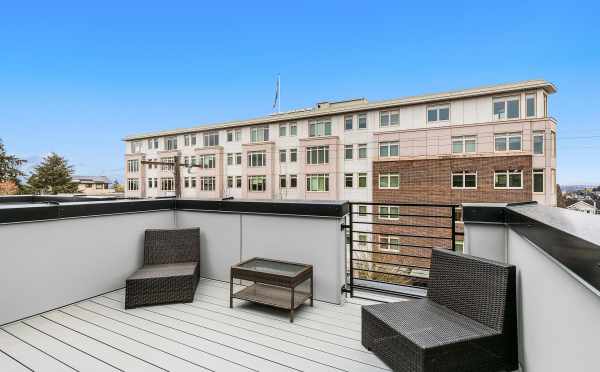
x: 343, y: 109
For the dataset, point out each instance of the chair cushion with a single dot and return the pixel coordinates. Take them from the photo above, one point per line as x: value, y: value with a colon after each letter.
x: 428, y: 324
x: 164, y: 270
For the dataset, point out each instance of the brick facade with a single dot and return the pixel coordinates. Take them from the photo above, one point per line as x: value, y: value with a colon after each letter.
x: 429, y: 182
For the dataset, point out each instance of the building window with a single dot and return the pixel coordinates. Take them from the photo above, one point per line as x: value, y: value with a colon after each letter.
x: 238, y: 182
x: 211, y: 139
x: 362, y: 121
x: 207, y: 161
x: 238, y: 158
x: 167, y: 184
x: 136, y: 147
x: 230, y: 158
x: 538, y: 143
x: 362, y: 210
x: 186, y: 140
x: 538, y: 180
x: 389, y: 181
x: 186, y: 161
x: 257, y: 183
x: 362, y: 240
x: 508, y: 179
x: 530, y: 105
x: 389, y: 118
x: 545, y: 105
x: 293, y: 155
x: 464, y: 144
x: 388, y: 149
x: 282, y: 130
x: 348, y: 150
x: 348, y: 180
x: 171, y: 143
x: 193, y: 182
x: 317, y: 155
x: 133, y: 184
x: 319, y: 128
x: 207, y: 183
x: 464, y: 180
x: 230, y: 182
x: 257, y: 158
x: 293, y: 181
x: 389, y: 243
x: 282, y: 181
x: 553, y: 134
x: 317, y: 182
x: 167, y: 167
x: 133, y: 166
x: 507, y: 142
x: 438, y: 113
x: 389, y: 212
x: 282, y: 156
x: 348, y: 122
x: 506, y: 108
x: 362, y: 180
x: 149, y: 183
x: 229, y: 136
x: 293, y: 129
x: 153, y: 143
x: 186, y: 182
x: 259, y: 134
x: 362, y: 151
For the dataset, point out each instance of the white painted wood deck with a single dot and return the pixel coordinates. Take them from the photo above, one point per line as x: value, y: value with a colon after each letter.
x: 206, y: 335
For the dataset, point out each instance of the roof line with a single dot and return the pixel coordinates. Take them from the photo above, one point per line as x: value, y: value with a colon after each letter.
x: 332, y: 110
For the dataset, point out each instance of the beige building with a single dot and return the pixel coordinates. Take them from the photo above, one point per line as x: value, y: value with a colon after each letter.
x: 93, y: 185
x: 328, y: 151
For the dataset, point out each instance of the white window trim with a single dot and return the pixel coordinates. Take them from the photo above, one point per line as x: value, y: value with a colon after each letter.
x: 437, y: 108
x: 381, y: 216
x: 508, y: 173
x: 386, y: 240
x: 534, y: 95
x: 538, y: 134
x: 505, y: 99
x: 366, y: 211
x: 389, y: 176
x: 351, y: 176
x: 389, y: 116
x: 389, y: 145
x: 326, y: 177
x: 346, y: 148
x: 366, y: 121
x: 463, y: 140
x: 464, y: 173
x: 533, y: 173
x: 507, y: 136
x: 366, y: 177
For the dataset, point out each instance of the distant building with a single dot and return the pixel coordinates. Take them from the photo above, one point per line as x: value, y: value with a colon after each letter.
x: 93, y: 185
x: 585, y: 206
x: 8, y: 188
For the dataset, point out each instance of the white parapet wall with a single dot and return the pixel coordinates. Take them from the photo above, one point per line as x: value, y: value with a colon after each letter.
x: 48, y: 264
x: 558, y: 308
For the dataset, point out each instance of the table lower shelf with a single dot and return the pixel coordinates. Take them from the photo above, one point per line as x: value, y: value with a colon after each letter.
x: 272, y: 295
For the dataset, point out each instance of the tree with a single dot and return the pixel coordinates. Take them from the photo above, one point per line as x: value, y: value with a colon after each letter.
x: 118, y: 187
x: 53, y: 175
x: 561, y: 201
x: 10, y: 166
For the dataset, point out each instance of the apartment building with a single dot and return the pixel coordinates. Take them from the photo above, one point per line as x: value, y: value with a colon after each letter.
x: 488, y: 144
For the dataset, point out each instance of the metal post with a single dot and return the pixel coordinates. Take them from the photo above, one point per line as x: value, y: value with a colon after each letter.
x: 177, y: 174
x: 453, y: 228
x: 351, y: 251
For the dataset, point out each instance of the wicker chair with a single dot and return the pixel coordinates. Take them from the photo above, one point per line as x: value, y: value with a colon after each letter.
x: 171, y: 269
x: 467, y: 323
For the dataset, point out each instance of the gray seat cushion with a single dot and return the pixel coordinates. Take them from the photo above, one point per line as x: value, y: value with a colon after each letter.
x: 427, y: 324
x: 164, y: 270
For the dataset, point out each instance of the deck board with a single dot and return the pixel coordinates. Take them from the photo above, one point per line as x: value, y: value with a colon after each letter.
x: 206, y: 335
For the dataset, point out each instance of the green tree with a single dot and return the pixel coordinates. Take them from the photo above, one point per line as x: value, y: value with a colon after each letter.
x: 118, y: 187
x: 10, y: 166
x: 53, y: 175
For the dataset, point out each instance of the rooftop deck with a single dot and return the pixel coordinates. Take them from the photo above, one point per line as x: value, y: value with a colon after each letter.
x: 99, y: 334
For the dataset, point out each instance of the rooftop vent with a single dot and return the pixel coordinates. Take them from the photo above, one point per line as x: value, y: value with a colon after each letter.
x: 344, y: 103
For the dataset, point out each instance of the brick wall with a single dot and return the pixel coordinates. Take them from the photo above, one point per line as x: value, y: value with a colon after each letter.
x: 429, y: 182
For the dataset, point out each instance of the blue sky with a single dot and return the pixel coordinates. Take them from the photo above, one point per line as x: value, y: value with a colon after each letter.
x: 75, y: 78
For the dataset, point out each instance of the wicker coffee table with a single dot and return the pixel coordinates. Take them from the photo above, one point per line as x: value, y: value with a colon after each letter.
x: 275, y: 283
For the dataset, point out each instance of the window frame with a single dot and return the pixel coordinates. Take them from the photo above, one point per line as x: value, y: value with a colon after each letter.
x: 262, y: 183
x: 389, y: 243
x: 366, y: 210
x: 463, y: 141
x: 283, y: 128
x: 313, y: 152
x: 389, y: 145
x: 348, y: 119
x: 362, y: 146
x: 256, y: 159
x: 533, y: 137
x: 318, y: 176
x: 508, y: 173
x: 359, y: 117
x: 293, y: 130
x: 207, y: 161
x: 351, y: 149
x: 209, y: 181
x: 506, y: 100
x: 210, y: 139
x: 259, y: 133
x: 506, y: 137
x: 464, y: 175
x: 537, y: 172
x: 437, y: 108
x: 348, y: 176
x: 293, y: 155
x: 362, y: 176
x: 388, y: 114
x: 320, y: 127
x: 293, y: 181
x: 283, y: 181
x: 388, y: 215
x: 389, y: 178
x: 528, y: 96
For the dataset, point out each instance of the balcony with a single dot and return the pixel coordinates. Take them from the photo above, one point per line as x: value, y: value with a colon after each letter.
x: 63, y: 266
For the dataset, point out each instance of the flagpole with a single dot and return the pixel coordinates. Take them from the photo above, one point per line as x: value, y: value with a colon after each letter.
x: 279, y: 89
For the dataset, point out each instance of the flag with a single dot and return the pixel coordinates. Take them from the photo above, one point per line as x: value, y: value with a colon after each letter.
x: 276, y: 100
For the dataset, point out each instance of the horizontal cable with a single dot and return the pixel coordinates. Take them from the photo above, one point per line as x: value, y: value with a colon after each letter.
x: 394, y: 274
x: 377, y: 281
x: 396, y: 254
x: 400, y: 215
x: 403, y: 235
x: 392, y: 263
x: 402, y: 225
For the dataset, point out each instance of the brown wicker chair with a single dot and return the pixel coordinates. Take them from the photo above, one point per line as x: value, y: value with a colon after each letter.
x: 171, y: 269
x: 467, y: 323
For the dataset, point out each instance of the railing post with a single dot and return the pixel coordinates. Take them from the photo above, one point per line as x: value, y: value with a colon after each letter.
x: 454, y: 228
x: 350, y: 231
